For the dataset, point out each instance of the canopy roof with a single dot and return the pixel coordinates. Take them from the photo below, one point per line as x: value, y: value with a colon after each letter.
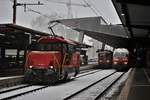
x: 96, y: 28
x: 16, y: 36
x: 135, y: 15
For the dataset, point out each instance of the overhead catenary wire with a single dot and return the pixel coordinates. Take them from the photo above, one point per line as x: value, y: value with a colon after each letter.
x: 73, y: 4
x: 93, y: 5
x: 93, y: 10
x: 44, y: 15
x: 69, y: 5
x: 47, y: 6
x: 51, y: 25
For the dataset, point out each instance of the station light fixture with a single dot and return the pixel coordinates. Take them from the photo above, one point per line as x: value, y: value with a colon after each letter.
x: 115, y: 63
x: 2, y: 34
x: 122, y: 14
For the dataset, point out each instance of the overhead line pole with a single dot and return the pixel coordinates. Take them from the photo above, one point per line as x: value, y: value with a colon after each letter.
x: 15, y: 4
x: 14, y: 11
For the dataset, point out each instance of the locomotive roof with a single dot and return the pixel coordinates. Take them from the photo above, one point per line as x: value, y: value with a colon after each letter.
x: 47, y: 39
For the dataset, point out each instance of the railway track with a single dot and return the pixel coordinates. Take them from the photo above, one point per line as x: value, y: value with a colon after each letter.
x: 14, y: 88
x: 66, y: 89
x: 19, y: 92
x: 25, y: 89
x: 87, y: 73
x: 87, y: 70
x: 97, y: 89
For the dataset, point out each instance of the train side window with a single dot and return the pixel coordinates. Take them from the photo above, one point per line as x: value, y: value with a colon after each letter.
x: 32, y: 46
x: 49, y: 47
x: 71, y: 48
x: 65, y: 48
x: 57, y: 47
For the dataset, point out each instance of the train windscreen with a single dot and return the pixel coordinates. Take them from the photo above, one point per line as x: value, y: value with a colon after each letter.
x: 45, y: 47
x: 120, y: 54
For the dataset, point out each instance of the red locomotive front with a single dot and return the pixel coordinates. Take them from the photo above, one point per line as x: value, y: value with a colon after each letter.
x: 121, y: 59
x: 51, y: 59
x: 105, y: 59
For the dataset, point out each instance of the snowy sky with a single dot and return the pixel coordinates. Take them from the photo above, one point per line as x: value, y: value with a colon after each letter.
x: 105, y: 8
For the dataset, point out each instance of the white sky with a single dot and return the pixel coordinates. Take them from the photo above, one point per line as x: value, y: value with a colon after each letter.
x: 105, y: 8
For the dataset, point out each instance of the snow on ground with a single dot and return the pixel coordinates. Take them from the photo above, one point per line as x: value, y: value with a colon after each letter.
x: 60, y: 91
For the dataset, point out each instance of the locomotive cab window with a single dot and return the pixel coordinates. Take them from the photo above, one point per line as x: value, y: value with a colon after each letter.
x: 45, y: 47
x: 71, y: 48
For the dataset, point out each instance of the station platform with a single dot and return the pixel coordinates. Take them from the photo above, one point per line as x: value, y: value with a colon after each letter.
x: 137, y: 86
x: 11, y: 72
x: 10, y: 81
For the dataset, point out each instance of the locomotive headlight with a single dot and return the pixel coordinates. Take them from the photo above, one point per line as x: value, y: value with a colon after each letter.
x: 51, y: 67
x: 125, y: 63
x: 30, y: 66
x: 115, y: 63
x: 100, y: 60
x: 107, y: 61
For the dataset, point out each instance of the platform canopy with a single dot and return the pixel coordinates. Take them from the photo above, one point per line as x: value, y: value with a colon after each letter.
x: 135, y: 15
x: 16, y: 36
x: 95, y: 27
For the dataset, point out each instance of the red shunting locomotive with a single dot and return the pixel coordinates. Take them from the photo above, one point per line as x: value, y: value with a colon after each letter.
x: 51, y: 59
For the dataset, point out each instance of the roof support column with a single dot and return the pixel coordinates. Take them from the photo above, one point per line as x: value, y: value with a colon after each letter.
x: 103, y: 46
x: 14, y: 11
x: 2, y: 61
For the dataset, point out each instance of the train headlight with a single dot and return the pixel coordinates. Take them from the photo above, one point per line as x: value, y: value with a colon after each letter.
x: 30, y: 66
x: 51, y: 67
x: 100, y: 60
x: 125, y: 63
x: 115, y: 63
x: 107, y: 61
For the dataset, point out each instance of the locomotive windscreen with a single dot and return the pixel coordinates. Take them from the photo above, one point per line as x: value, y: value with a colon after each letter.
x: 120, y: 54
x: 45, y: 46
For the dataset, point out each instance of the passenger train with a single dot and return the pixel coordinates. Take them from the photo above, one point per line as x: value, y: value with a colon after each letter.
x: 51, y: 59
x: 105, y: 59
x: 120, y: 59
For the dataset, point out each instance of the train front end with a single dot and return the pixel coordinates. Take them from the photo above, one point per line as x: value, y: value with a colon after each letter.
x: 121, y: 59
x: 105, y: 59
x: 120, y: 63
x: 42, y: 66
